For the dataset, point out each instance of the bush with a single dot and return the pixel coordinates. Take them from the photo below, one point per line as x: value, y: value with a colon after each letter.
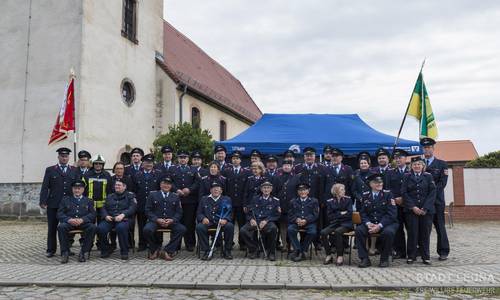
x: 490, y: 160
x: 185, y: 137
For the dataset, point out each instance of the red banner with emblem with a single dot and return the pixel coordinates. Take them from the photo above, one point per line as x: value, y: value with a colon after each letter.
x: 65, y: 121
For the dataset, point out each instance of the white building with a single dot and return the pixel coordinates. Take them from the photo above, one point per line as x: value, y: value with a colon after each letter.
x: 135, y: 75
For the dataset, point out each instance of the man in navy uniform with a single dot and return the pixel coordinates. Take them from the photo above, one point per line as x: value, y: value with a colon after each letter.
x: 289, y: 155
x: 419, y: 194
x: 303, y: 213
x: 83, y: 163
x: 255, y: 155
x: 117, y: 213
x: 327, y: 156
x: 439, y: 171
x: 76, y: 212
x: 144, y: 182
x: 383, y: 164
x: 337, y: 172
x: 165, y: 165
x: 135, y: 166
x: 235, y: 189
x: 56, y: 184
x: 212, y: 209
x: 263, y: 211
x: 378, y: 215
x: 395, y: 180
x: 164, y: 210
x: 271, y: 166
x: 197, y: 164
x: 287, y: 191
x: 220, y: 157
x: 186, y: 183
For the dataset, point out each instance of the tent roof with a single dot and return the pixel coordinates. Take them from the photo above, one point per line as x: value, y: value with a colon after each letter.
x: 275, y: 133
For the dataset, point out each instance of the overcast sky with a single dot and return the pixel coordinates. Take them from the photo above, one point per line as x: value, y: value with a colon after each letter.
x: 359, y: 57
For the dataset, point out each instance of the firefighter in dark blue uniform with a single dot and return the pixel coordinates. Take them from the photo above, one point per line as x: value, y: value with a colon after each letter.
x: 327, y: 156
x: 213, y: 176
x: 117, y: 212
x: 255, y: 156
x: 271, y: 166
x: 212, y: 209
x: 290, y: 156
x: 287, y: 191
x: 197, y: 163
x: 83, y: 163
x: 144, y: 182
x: 220, y: 157
x: 439, y: 171
x: 186, y: 183
x: 360, y: 181
x: 164, y: 210
x: 166, y: 164
x: 235, y: 189
x: 76, y: 212
x: 303, y: 213
x: 337, y: 172
x: 378, y: 215
x: 383, y: 164
x: 135, y: 166
x: 395, y: 179
x: 56, y: 184
x: 419, y: 194
x: 263, y: 211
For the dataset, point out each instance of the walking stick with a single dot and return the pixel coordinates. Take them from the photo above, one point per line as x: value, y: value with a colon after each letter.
x: 259, y: 236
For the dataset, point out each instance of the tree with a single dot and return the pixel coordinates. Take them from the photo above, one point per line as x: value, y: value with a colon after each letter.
x: 490, y: 160
x: 185, y: 137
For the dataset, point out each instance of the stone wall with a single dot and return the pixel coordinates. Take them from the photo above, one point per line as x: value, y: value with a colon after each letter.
x: 20, y: 200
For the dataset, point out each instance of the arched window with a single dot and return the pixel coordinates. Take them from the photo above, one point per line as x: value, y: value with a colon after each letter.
x: 129, y: 23
x: 195, y: 117
x: 223, y: 130
x: 128, y: 92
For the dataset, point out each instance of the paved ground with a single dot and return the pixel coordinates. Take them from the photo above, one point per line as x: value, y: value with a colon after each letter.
x: 472, y: 263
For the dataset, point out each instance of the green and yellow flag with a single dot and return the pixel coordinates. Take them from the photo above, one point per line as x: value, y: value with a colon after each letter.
x: 420, y: 108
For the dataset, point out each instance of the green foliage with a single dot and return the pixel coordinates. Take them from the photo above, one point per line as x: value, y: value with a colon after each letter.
x: 490, y: 160
x: 185, y: 137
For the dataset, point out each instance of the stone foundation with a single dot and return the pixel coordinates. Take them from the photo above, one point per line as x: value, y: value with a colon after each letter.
x: 20, y: 200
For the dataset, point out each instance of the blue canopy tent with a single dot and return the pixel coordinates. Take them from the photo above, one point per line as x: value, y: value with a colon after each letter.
x: 275, y: 133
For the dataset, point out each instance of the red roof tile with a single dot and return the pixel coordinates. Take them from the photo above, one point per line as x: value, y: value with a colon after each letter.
x: 187, y: 64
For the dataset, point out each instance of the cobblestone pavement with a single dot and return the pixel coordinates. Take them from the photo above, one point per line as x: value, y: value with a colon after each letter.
x: 472, y: 263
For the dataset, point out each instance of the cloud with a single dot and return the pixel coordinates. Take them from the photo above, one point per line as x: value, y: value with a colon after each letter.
x: 363, y: 57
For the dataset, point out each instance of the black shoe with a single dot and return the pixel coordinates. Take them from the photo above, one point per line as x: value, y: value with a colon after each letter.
x: 272, y: 257
x: 443, y: 257
x: 227, y: 255
x: 141, y: 248
x: 64, y: 258
x: 205, y: 256
x: 279, y: 247
x: 189, y: 248
x: 50, y: 254
x: 252, y: 255
x: 81, y: 257
x: 298, y: 257
x: 399, y: 256
x: 409, y: 261
x: 71, y: 253
x: 365, y: 263
x: 105, y: 254
x: 426, y: 261
x: 124, y: 257
x: 383, y: 264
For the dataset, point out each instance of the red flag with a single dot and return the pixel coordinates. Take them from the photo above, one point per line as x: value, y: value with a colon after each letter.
x: 65, y: 121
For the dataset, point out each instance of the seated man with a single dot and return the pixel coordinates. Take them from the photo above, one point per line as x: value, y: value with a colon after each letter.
x: 213, y: 209
x: 302, y: 214
x: 378, y: 215
x: 117, y: 212
x: 163, y: 210
x: 76, y: 212
x: 263, y: 211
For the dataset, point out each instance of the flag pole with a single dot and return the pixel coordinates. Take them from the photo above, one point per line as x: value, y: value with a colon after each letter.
x: 404, y: 117
x: 72, y: 77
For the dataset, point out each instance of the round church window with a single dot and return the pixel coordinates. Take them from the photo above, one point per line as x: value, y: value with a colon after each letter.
x: 128, y: 92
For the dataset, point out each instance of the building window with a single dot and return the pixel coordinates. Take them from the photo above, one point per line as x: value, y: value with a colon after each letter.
x: 223, y: 130
x: 129, y: 24
x: 128, y: 92
x: 195, y: 117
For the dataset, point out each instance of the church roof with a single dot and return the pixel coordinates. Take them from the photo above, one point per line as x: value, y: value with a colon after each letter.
x: 188, y: 64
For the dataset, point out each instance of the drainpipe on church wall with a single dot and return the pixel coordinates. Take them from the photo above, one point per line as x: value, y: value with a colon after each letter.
x: 184, y: 91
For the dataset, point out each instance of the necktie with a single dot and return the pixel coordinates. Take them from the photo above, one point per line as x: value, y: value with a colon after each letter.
x: 338, y: 170
x: 236, y: 171
x: 63, y: 169
x: 427, y: 162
